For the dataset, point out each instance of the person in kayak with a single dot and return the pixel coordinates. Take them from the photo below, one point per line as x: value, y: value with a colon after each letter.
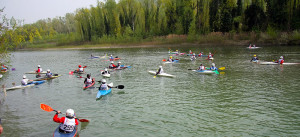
x: 193, y: 57
x: 112, y: 65
x: 3, y: 68
x: 201, y: 67
x: 160, y: 70
x: 190, y: 52
x: 170, y: 59
x: 213, y: 67
x: 111, y: 58
x: 1, y: 128
x: 200, y: 54
x: 25, y: 81
x: 254, y: 59
x: 88, y: 80
x: 49, y: 74
x: 210, y: 55
x: 105, y: 71
x: 104, y: 85
x: 39, y: 70
x: 119, y: 65
x: 280, y: 61
x: 68, y: 123
x: 80, y: 69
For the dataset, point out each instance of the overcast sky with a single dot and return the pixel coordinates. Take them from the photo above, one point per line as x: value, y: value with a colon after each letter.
x: 32, y: 10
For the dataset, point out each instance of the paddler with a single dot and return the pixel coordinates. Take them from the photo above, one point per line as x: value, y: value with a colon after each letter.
x: 213, y: 67
x: 190, y: 52
x: 201, y: 67
x: 39, y: 70
x: 25, y: 80
x: 105, y: 71
x: 210, y: 55
x: 111, y: 58
x: 104, y: 85
x: 80, y: 69
x: 160, y: 70
x: 193, y: 57
x: 200, y: 54
x: 48, y: 74
x: 280, y: 61
x: 170, y: 59
x: 88, y: 80
x: 119, y: 65
x: 112, y: 65
x: 68, y: 123
x: 254, y: 59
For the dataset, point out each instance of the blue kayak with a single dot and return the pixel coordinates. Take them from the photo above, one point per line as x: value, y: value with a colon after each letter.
x: 60, y: 134
x: 102, y: 93
x: 207, y: 71
x: 37, y: 82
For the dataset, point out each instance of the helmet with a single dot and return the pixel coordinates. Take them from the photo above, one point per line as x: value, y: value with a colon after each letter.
x: 160, y: 66
x: 88, y: 75
x: 112, y: 62
x: 254, y: 55
x: 79, y: 66
x: 105, y: 69
x: 39, y: 66
x: 194, y: 54
x: 281, y: 57
x: 48, y: 70
x: 119, y: 62
x: 24, y: 76
x: 171, y: 57
x: 213, y: 64
x: 209, y: 52
x: 111, y: 55
x: 103, y: 81
x: 70, y: 113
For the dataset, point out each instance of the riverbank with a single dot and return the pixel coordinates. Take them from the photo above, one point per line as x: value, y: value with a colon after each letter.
x: 172, y: 40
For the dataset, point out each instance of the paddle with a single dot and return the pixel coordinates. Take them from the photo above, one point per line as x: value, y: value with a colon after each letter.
x: 49, y: 109
x: 222, y: 68
x: 118, y: 87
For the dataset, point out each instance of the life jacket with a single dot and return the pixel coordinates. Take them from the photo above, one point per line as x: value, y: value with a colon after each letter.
x: 103, y: 87
x: 89, y: 80
x: 201, y: 68
x: 39, y: 70
x: 80, y: 70
x: 213, y: 68
x: 24, y: 81
x: 49, y: 74
x: 209, y: 56
x: 170, y: 60
x: 112, y: 66
x: 68, y: 125
x: 280, y: 61
x: 160, y: 70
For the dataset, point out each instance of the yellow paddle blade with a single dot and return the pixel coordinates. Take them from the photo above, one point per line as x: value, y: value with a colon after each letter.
x: 154, y: 76
x: 222, y: 73
x: 222, y: 68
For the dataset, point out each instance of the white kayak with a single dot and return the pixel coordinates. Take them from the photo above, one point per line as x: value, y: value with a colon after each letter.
x: 273, y: 63
x: 205, y: 71
x: 107, y: 75
x: 162, y: 74
x: 1, y: 76
x: 33, y: 72
x: 253, y: 47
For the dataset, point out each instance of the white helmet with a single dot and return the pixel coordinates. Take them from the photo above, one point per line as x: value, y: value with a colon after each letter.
x: 160, y: 66
x: 111, y: 55
x: 105, y: 69
x: 194, y: 54
x: 70, y: 113
x: 48, y: 70
x: 24, y: 76
x: 209, y: 52
x: 281, y: 57
x: 213, y: 64
x: 103, y: 81
x: 111, y: 62
x: 119, y: 62
x: 39, y: 66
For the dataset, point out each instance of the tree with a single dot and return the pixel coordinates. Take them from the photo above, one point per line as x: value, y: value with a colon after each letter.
x: 254, y: 18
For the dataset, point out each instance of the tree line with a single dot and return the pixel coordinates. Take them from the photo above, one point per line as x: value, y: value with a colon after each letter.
x: 148, y: 18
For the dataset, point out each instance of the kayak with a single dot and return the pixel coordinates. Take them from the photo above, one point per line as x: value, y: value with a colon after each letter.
x: 45, y: 78
x: 255, y: 61
x: 4, y: 71
x: 114, y: 59
x: 273, y: 63
x: 206, y: 71
x: 26, y: 86
x: 94, y: 57
x: 253, y: 47
x: 34, y: 72
x: 209, y: 58
x: 104, y: 92
x: 162, y: 74
x: 60, y: 134
x: 106, y: 75
x: 197, y: 55
x: 1, y: 76
x: 86, y: 87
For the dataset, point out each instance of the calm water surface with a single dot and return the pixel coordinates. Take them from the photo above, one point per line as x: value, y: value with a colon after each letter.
x: 247, y: 100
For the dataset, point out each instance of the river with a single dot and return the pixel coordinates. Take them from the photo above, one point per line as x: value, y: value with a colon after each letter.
x: 246, y: 99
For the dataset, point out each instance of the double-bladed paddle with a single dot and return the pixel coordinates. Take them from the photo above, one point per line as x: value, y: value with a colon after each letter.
x: 118, y: 87
x: 49, y: 109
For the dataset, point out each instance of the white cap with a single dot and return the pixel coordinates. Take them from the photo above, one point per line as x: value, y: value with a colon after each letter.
x: 24, y: 76
x: 39, y: 66
x: 48, y: 70
x: 281, y: 57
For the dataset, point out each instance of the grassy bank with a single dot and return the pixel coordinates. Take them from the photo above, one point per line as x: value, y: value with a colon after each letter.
x: 214, y: 38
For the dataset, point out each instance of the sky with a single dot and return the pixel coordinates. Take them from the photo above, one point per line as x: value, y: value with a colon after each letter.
x: 33, y: 10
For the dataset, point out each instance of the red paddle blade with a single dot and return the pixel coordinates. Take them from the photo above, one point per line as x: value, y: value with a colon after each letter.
x: 84, y: 66
x: 71, y: 72
x: 83, y: 120
x: 164, y: 60
x: 46, y: 107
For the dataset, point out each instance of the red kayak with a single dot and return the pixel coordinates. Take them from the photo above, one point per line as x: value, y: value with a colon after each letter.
x: 86, y: 87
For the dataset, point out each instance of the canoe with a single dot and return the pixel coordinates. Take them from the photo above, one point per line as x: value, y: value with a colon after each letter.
x: 45, y: 78
x: 253, y: 47
x: 33, y: 83
x: 162, y: 74
x: 107, y: 75
x: 86, y: 87
x: 34, y: 72
x: 207, y: 71
x: 273, y: 63
x: 60, y: 134
x: 104, y: 92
